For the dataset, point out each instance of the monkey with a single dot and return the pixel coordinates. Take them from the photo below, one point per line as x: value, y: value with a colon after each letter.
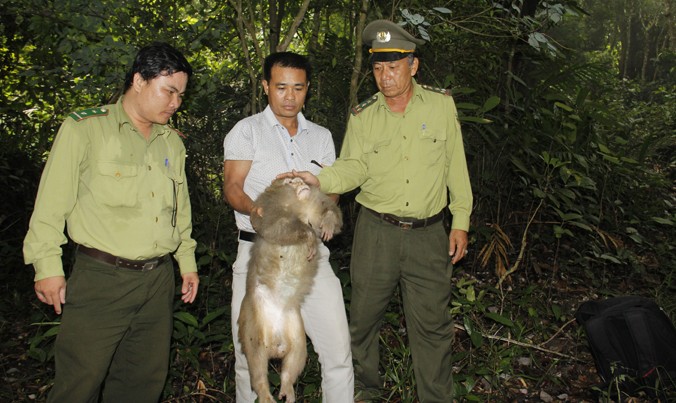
x: 289, y: 218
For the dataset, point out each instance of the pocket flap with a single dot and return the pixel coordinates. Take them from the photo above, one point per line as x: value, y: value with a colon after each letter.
x: 117, y: 170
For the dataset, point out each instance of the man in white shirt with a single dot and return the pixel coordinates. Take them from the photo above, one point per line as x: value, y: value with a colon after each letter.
x: 256, y: 150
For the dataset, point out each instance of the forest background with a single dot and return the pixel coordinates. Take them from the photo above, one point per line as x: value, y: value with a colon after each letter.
x: 568, y: 112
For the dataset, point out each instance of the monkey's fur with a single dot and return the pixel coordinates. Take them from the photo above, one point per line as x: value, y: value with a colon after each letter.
x: 280, y: 274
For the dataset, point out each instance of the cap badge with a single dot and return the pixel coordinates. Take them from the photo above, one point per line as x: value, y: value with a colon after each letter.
x: 383, y: 36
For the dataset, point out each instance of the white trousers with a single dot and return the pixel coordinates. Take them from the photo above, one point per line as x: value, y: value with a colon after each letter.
x: 325, y: 320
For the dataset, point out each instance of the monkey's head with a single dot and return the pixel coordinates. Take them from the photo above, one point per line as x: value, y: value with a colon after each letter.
x: 301, y: 188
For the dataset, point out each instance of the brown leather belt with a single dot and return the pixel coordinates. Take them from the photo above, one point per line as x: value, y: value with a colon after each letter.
x: 141, y: 265
x: 247, y: 236
x: 408, y: 223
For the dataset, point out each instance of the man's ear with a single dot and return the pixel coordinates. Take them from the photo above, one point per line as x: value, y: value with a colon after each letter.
x: 138, y: 82
x: 266, y: 86
x: 414, y: 66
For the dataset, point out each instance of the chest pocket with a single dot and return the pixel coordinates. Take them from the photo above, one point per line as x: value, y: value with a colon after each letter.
x: 379, y: 156
x: 432, y: 146
x: 115, y: 184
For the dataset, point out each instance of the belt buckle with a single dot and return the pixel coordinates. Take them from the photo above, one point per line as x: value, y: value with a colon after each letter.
x: 405, y: 224
x: 149, y: 265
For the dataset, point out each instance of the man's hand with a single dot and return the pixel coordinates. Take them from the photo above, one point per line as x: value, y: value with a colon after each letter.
x: 306, y: 176
x: 189, y: 289
x: 457, y: 248
x: 52, y: 291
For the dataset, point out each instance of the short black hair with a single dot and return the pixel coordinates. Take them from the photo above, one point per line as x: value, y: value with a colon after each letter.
x: 286, y: 59
x: 155, y: 59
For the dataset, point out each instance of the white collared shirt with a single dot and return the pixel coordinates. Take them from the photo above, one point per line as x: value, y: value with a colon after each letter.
x: 262, y: 140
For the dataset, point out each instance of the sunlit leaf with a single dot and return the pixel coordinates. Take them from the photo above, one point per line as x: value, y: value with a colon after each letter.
x: 443, y: 10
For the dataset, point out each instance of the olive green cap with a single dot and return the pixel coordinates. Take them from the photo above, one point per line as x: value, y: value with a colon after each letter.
x: 388, y: 40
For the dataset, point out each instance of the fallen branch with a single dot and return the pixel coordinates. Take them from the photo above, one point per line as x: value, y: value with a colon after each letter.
x: 528, y: 345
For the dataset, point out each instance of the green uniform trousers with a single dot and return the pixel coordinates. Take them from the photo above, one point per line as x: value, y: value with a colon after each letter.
x: 384, y: 256
x: 115, y: 332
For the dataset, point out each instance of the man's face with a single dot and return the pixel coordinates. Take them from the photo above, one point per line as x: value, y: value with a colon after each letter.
x: 160, y: 97
x: 395, y: 78
x: 286, y: 91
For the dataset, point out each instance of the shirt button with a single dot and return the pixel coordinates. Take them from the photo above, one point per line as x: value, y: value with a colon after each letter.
x: 152, y: 194
x: 406, y: 180
x: 156, y: 219
x: 406, y: 204
x: 149, y: 168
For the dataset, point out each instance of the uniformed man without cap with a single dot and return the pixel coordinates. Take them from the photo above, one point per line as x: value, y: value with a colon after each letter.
x: 116, y: 176
x: 403, y: 148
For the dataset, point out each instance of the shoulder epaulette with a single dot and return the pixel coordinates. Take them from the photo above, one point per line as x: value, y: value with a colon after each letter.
x: 88, y: 113
x: 359, y: 108
x: 444, y: 91
x: 177, y: 132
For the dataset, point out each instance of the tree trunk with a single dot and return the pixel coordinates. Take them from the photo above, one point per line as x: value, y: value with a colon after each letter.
x: 314, y: 36
x: 671, y: 25
x: 358, y: 58
x: 246, y: 32
x: 626, y: 35
x: 275, y: 16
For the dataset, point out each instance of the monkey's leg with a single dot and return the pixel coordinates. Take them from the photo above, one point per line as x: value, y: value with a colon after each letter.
x: 254, y: 335
x: 294, y: 361
x: 257, y: 359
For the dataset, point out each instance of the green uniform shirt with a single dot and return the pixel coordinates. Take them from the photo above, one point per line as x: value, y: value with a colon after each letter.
x: 404, y: 163
x: 115, y: 191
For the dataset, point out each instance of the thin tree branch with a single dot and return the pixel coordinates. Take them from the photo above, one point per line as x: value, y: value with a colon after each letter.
x: 294, y: 27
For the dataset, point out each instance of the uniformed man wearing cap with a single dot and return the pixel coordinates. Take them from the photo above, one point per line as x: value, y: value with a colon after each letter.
x: 403, y: 148
x: 116, y: 176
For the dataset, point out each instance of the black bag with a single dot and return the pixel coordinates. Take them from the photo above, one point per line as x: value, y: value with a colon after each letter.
x: 633, y: 343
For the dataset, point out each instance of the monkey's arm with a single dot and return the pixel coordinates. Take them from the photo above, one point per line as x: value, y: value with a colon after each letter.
x: 327, y: 218
x: 234, y: 174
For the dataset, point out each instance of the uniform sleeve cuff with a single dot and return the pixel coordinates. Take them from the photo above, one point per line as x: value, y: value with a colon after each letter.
x: 460, y: 222
x: 186, y: 264
x: 48, y: 267
x: 322, y: 182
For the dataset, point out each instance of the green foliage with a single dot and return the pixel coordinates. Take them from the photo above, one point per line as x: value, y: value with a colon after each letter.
x: 572, y: 167
x: 42, y: 344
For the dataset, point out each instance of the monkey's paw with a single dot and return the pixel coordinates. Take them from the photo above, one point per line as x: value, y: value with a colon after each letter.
x: 288, y: 392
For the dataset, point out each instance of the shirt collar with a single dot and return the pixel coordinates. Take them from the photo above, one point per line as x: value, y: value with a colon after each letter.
x: 272, y: 121
x: 418, y: 93
x: 123, y: 119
